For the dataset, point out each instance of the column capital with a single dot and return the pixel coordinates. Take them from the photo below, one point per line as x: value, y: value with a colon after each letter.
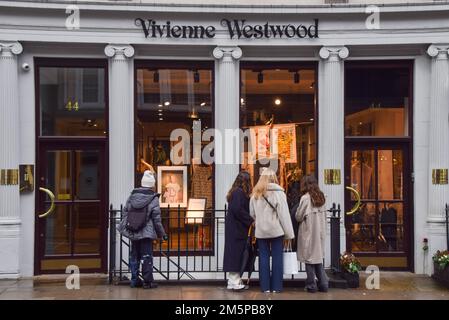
x: 334, y: 53
x: 438, y: 51
x: 119, y: 51
x: 8, y: 48
x: 227, y: 53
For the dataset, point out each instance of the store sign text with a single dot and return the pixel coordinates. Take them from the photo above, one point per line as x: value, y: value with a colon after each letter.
x: 239, y: 29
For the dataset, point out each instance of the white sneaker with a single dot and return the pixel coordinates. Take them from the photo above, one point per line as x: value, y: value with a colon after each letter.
x: 236, y: 286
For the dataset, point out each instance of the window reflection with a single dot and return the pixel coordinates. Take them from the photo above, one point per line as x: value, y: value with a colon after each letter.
x: 376, y: 101
x: 72, y: 101
x: 169, y: 98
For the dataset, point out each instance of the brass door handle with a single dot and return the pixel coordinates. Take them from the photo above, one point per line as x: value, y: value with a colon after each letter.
x: 52, y: 203
x: 356, y: 207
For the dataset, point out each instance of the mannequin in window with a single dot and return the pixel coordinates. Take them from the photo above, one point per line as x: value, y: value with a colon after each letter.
x: 388, y: 222
x: 160, y: 156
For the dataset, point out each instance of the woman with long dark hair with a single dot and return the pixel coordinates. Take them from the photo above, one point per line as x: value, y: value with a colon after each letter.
x: 311, y: 216
x: 238, y: 222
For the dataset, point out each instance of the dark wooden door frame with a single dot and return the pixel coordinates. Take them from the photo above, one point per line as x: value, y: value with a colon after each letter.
x: 102, y: 142
x: 72, y: 146
x: 407, y: 195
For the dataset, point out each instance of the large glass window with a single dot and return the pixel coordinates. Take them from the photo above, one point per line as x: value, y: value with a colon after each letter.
x: 173, y: 96
x: 376, y: 100
x: 278, y: 101
x: 72, y: 101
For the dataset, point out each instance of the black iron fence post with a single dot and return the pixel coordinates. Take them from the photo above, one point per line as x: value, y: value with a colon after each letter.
x: 335, y: 237
x: 121, y: 253
x: 113, y: 243
x: 447, y: 226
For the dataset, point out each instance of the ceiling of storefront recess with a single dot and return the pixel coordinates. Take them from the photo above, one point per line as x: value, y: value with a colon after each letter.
x: 275, y: 81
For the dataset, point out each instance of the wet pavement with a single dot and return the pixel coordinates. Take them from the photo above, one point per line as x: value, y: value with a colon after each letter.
x: 393, y: 286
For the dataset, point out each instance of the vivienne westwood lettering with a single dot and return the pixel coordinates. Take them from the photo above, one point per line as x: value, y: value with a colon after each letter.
x: 237, y: 29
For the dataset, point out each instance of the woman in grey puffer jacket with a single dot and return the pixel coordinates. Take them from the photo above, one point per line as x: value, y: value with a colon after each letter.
x: 142, y: 240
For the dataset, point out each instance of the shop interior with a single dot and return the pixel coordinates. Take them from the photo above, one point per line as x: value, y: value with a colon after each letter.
x: 280, y: 98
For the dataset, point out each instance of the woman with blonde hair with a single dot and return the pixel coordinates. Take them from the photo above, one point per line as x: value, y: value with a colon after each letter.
x: 268, y: 207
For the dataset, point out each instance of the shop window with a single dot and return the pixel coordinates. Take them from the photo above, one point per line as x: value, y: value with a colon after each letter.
x: 280, y: 98
x: 376, y: 101
x: 72, y: 101
x: 173, y: 96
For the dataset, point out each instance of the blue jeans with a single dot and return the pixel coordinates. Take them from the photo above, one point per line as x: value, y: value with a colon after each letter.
x: 270, y: 280
x: 141, y: 251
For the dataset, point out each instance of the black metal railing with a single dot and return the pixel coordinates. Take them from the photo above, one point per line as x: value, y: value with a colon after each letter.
x: 193, y: 245
x: 447, y: 226
x: 335, y: 218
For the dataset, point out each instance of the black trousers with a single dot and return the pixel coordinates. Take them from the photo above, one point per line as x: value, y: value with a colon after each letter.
x: 141, y: 251
x: 316, y: 270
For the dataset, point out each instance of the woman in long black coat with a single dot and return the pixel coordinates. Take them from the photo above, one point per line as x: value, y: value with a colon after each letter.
x: 238, y: 222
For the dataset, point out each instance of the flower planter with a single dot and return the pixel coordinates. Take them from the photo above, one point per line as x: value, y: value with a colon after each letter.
x: 352, y: 279
x: 441, y: 275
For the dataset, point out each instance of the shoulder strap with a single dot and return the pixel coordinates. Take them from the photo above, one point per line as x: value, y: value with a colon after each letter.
x: 270, y: 204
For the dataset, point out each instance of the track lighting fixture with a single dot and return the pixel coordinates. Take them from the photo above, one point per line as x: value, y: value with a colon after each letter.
x: 296, y: 77
x: 196, y: 76
x: 260, y: 77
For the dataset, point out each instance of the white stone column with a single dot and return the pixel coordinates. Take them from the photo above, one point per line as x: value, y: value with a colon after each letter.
x: 439, y: 128
x: 227, y: 113
x: 331, y: 120
x: 121, y: 122
x: 9, y: 159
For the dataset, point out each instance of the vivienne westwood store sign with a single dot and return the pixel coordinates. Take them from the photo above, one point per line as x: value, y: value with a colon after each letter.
x: 237, y: 29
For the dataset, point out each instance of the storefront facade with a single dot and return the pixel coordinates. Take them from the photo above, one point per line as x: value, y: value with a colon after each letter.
x: 85, y: 110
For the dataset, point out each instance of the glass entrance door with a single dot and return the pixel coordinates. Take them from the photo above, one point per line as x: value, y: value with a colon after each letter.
x: 73, y: 233
x: 378, y: 232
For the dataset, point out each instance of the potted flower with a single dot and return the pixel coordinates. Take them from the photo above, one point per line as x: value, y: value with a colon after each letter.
x: 441, y: 267
x: 350, y: 267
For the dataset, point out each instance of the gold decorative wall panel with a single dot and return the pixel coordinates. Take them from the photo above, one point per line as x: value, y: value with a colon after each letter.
x: 332, y: 176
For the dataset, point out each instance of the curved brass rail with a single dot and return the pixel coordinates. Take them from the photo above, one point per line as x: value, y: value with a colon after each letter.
x: 52, y: 204
x: 356, y: 207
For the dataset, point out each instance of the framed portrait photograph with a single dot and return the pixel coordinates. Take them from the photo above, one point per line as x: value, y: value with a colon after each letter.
x: 172, y: 185
x: 195, y: 210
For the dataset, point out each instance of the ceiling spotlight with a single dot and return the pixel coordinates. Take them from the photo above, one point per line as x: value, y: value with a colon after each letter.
x: 159, y: 114
x: 311, y: 119
x: 161, y: 119
x: 277, y: 102
x: 312, y: 85
x: 296, y: 77
x: 203, y: 104
x: 260, y: 77
x: 156, y: 76
x: 160, y: 110
x: 166, y: 103
x: 196, y: 76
